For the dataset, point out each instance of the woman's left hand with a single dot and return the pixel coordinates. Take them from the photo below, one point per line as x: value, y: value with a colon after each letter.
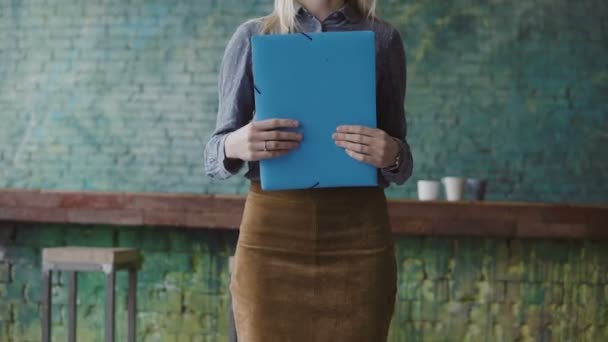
x: 368, y: 145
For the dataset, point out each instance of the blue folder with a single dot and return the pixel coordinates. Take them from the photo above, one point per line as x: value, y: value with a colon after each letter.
x: 323, y: 80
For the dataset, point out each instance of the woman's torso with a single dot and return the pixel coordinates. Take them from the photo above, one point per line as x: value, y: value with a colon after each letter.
x: 347, y: 19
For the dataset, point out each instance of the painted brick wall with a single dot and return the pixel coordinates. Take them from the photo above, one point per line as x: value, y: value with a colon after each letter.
x: 115, y: 95
x: 182, y: 286
x: 461, y: 289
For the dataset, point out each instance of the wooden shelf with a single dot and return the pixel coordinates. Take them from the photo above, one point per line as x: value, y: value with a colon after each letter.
x: 199, y: 211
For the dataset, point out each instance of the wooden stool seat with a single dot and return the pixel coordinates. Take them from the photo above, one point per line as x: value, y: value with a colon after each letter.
x: 73, y: 259
x: 94, y: 258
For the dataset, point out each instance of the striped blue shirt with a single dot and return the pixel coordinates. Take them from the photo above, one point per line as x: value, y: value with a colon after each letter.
x: 236, y: 97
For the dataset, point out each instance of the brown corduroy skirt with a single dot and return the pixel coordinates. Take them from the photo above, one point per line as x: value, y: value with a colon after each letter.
x: 314, y: 265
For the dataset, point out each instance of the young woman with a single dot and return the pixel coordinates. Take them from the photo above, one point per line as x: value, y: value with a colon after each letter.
x: 313, y: 264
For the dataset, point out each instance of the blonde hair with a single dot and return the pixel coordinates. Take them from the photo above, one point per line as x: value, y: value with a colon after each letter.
x: 283, y: 17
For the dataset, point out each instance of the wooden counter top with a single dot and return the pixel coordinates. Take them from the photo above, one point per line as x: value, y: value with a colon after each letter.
x: 199, y: 211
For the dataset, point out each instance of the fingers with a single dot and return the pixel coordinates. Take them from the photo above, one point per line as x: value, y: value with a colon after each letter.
x: 365, y: 158
x: 364, y: 149
x: 270, y: 124
x: 277, y: 135
x: 361, y: 143
x: 264, y: 140
x: 352, y: 137
x: 273, y: 145
x: 270, y: 149
x: 270, y: 154
x: 369, y: 131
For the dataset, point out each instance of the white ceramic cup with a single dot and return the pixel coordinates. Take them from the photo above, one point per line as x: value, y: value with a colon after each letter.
x: 454, y: 188
x: 428, y: 190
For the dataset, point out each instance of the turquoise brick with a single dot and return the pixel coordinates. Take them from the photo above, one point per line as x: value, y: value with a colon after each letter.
x: 436, y: 255
x: 481, y: 81
x: 7, y: 233
x: 4, y: 330
x: 18, y: 255
x: 41, y: 235
x: 413, y: 270
x: 5, y: 272
x: 90, y: 235
x: 149, y: 239
x: 410, y: 290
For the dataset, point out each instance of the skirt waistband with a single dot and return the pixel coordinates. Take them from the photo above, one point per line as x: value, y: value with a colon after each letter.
x: 321, y: 194
x: 328, y: 220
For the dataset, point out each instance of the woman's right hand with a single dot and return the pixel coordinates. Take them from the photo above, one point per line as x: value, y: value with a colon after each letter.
x: 261, y: 140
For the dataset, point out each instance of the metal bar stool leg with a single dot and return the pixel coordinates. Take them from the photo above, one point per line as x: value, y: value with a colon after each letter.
x: 110, y: 304
x: 132, y: 305
x: 231, y: 325
x: 232, y: 336
x: 73, y: 289
x: 46, y: 305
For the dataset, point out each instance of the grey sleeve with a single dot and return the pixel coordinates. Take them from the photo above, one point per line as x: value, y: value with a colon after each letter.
x: 236, y: 103
x: 391, y: 107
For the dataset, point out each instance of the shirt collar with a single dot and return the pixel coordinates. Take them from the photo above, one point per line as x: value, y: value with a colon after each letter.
x: 350, y: 13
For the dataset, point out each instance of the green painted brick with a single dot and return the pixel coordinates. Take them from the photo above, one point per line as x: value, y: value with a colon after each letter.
x: 403, y: 313
x: 455, y: 315
x: 7, y: 232
x: 18, y: 255
x: 412, y: 331
x: 532, y: 293
x: 5, y: 272
x: 409, y: 290
x: 192, y: 323
x: 436, y: 256
x: 187, y: 290
x: 4, y: 331
x: 413, y: 270
x: 6, y: 310
x: 148, y: 239
x: 160, y: 300
x: 89, y: 235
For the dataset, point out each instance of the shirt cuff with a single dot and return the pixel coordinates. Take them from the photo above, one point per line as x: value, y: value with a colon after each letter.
x: 224, y: 167
x: 229, y: 165
x: 403, y: 170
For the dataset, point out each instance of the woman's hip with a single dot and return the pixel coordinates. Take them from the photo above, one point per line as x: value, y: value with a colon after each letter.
x: 316, y: 220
